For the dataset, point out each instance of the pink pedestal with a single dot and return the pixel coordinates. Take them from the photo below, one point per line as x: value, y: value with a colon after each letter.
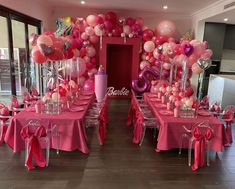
x: 100, y: 87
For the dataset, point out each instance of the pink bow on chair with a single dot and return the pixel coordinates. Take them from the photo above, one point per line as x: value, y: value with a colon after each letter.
x: 138, y: 128
x: 4, y: 111
x: 34, y: 147
x: 34, y: 93
x: 199, y: 146
x: 103, y: 122
x: 131, y: 112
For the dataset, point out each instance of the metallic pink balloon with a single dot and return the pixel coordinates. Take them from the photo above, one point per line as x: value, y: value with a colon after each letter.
x: 143, y: 83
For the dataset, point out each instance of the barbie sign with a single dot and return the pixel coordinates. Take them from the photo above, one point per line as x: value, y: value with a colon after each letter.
x: 111, y: 91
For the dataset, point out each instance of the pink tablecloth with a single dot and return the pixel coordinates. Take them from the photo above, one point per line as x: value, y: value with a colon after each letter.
x: 69, y: 124
x: 171, y: 128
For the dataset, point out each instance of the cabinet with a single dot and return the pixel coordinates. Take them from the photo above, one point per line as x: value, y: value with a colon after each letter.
x: 229, y: 40
x: 214, y: 34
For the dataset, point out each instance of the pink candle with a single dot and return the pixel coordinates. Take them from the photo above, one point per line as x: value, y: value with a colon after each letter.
x: 176, y: 112
x: 159, y: 95
x: 163, y: 99
x: 168, y: 106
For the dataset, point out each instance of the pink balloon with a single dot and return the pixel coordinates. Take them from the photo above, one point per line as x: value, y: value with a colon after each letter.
x: 191, y: 60
x: 44, y: 39
x: 189, y: 91
x: 127, y: 29
x: 86, y: 59
x: 108, y: 25
x: 81, y: 80
x: 139, y: 21
x: 83, y: 52
x: 89, y: 84
x: 143, y: 64
x: 84, y: 36
x: 147, y: 35
x: 166, y: 28
x: 130, y: 21
x: 90, y: 51
x: 99, y: 19
x: 37, y: 56
x: 58, y: 43
x: 89, y: 31
x: 207, y: 54
x: 94, y: 39
x: 91, y: 20
x: 111, y: 16
x: 149, y: 46
x: 196, y: 69
x: 116, y: 31
x: 167, y: 66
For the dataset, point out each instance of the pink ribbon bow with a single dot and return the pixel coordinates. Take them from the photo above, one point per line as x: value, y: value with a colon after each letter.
x: 4, y: 111
x: 34, y: 93
x: 103, y: 121
x: 199, y: 146
x: 34, y: 147
x: 138, y: 128
x: 26, y: 97
x: 131, y: 112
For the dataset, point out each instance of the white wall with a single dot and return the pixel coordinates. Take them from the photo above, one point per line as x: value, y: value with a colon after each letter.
x: 34, y: 8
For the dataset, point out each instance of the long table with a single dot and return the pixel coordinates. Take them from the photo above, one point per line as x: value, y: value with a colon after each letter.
x: 171, y: 128
x: 72, y: 135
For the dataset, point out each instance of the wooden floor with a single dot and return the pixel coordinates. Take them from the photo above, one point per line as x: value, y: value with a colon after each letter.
x: 117, y: 165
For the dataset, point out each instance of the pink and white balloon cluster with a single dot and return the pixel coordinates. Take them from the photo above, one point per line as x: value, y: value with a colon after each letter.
x: 49, y: 47
x: 109, y: 25
x: 174, y: 94
x: 162, y: 52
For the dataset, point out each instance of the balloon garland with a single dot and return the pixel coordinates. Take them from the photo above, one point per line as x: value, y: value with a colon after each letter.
x: 163, y: 56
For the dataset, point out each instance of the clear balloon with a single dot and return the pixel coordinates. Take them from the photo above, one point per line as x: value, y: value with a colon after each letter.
x: 91, y: 20
x: 166, y: 28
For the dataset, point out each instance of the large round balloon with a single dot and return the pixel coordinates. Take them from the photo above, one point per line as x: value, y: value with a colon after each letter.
x: 90, y: 51
x: 91, y: 20
x: 147, y: 35
x: 166, y: 28
x: 149, y: 46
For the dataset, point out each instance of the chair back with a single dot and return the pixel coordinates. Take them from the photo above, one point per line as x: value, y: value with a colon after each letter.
x: 205, y: 102
x: 228, y: 112
x: 203, y: 129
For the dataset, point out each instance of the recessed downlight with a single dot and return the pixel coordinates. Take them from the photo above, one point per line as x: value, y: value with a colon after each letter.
x: 225, y: 19
x: 83, y: 2
x: 165, y: 7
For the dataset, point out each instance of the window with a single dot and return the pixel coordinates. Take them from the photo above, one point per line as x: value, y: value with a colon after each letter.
x: 17, y: 72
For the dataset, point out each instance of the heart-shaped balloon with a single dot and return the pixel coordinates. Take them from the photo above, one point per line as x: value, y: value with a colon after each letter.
x: 188, y: 49
x: 204, y: 64
x: 46, y: 50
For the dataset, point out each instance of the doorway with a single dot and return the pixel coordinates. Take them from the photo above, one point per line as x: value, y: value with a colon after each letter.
x: 119, y: 60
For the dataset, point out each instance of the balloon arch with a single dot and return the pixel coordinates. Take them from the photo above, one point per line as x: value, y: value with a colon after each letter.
x: 166, y: 64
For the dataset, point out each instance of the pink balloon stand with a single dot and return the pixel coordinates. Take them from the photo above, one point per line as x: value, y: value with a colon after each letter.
x: 100, y: 87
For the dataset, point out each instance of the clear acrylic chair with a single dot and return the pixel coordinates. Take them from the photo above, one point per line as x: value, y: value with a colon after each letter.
x: 215, y: 108
x: 205, y: 132
x: 97, y: 117
x: 150, y: 121
x: 33, y: 125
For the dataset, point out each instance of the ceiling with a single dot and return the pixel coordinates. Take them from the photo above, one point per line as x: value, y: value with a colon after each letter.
x: 175, y: 6
x: 220, y: 17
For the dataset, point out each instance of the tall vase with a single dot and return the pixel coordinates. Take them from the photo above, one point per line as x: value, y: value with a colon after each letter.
x: 100, y: 84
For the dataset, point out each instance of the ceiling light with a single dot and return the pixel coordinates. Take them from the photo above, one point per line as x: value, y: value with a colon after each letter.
x: 83, y: 2
x: 165, y: 7
x: 225, y: 19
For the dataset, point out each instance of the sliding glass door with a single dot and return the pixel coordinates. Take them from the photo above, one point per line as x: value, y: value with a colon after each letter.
x: 17, y: 72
